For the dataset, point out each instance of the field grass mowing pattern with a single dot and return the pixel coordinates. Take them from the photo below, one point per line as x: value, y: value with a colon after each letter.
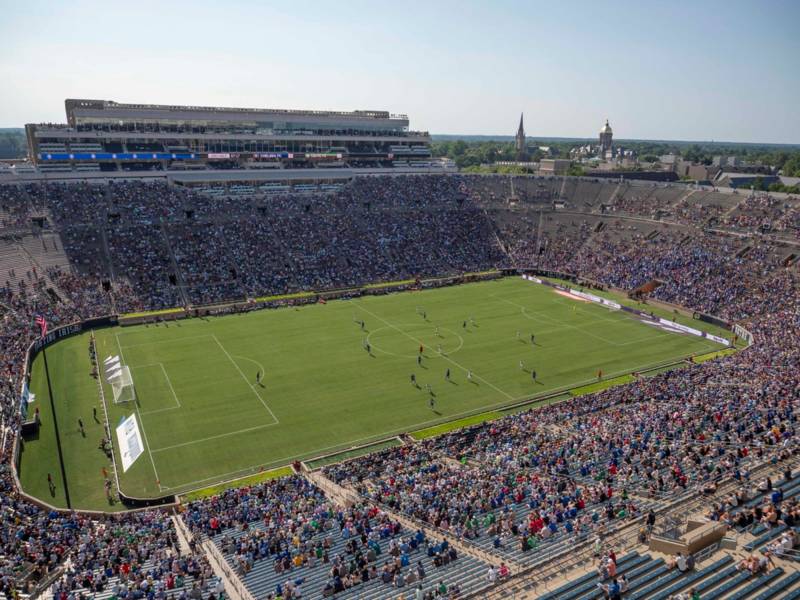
x: 205, y: 418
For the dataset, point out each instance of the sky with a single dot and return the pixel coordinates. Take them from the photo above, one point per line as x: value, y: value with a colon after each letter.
x: 684, y: 70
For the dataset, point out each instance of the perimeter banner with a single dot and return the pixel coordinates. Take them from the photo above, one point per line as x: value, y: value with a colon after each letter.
x: 130, y: 441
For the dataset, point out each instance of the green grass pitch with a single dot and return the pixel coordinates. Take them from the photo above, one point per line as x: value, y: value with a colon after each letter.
x: 204, y: 419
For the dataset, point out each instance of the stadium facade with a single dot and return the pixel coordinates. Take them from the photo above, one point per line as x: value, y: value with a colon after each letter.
x: 107, y: 136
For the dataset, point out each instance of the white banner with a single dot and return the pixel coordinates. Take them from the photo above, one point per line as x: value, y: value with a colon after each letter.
x: 719, y: 340
x: 692, y: 331
x: 597, y: 299
x: 130, y: 442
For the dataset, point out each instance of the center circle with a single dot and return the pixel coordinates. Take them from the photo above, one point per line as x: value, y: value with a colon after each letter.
x: 405, y: 343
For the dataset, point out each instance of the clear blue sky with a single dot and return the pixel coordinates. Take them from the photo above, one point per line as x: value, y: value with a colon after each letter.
x: 701, y: 70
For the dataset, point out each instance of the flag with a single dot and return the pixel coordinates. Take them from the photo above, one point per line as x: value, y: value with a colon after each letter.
x: 42, y: 323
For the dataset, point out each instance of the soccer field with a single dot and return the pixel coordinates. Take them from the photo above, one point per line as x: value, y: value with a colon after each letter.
x: 205, y: 419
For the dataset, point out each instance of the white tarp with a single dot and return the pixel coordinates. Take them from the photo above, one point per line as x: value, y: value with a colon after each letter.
x: 596, y: 299
x: 111, y: 359
x: 130, y: 441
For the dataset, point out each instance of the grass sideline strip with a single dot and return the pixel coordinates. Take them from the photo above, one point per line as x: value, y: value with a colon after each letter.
x: 602, y: 385
x: 151, y: 313
x: 664, y: 369
x: 493, y: 415
x: 236, y: 483
x: 286, y: 296
x: 712, y: 355
x: 354, y: 453
x: 430, y: 432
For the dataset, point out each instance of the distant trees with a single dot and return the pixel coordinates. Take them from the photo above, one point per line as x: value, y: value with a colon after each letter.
x: 12, y: 143
x: 469, y: 153
x: 791, y: 166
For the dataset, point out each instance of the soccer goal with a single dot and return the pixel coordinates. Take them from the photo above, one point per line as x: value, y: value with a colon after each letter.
x: 122, y: 386
x: 119, y: 376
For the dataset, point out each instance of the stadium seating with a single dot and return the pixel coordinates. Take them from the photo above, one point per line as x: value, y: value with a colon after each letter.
x: 551, y: 478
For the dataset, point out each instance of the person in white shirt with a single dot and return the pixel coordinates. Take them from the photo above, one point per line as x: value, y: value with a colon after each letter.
x: 491, y: 575
x: 681, y: 563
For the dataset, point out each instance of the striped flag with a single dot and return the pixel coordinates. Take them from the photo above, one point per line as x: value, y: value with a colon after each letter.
x: 42, y: 323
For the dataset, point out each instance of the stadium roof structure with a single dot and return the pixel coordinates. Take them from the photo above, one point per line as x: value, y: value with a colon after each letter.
x: 78, y: 109
x: 108, y: 136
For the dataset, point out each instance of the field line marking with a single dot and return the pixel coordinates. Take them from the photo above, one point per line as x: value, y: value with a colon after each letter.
x: 595, y: 320
x: 255, y: 362
x: 214, y: 437
x: 141, y: 420
x: 159, y: 410
x: 413, y: 427
x: 167, y: 341
x: 247, y: 381
x: 447, y: 358
x: 169, y: 383
x: 553, y: 321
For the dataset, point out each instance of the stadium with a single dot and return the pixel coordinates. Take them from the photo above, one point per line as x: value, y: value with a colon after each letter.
x: 257, y: 353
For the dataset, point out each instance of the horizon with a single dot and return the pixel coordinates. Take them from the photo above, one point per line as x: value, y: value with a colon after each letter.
x: 726, y: 73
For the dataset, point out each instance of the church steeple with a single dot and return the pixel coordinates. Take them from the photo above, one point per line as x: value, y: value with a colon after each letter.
x: 520, y: 139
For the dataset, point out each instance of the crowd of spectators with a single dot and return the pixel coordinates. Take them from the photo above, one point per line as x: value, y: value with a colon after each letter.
x: 290, y: 523
x: 569, y: 470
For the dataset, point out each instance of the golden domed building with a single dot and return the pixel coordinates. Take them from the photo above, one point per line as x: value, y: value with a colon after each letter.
x: 606, y: 137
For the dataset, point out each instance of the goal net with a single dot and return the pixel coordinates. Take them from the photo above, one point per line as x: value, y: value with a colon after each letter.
x: 122, y: 385
x: 119, y: 377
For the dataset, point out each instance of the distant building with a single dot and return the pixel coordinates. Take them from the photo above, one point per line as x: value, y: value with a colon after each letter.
x: 554, y: 166
x: 726, y: 161
x: 519, y: 142
x: 790, y: 181
x: 702, y: 172
x: 606, y: 139
x: 744, y: 180
x: 665, y: 176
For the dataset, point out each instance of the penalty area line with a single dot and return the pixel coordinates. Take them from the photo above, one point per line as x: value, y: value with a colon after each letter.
x: 247, y: 381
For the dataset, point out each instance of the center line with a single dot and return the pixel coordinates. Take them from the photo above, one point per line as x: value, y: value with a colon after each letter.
x: 447, y: 358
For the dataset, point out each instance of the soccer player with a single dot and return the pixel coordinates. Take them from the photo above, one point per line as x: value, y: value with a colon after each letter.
x: 469, y: 375
x: 533, y: 339
x: 419, y: 360
x: 439, y: 348
x: 368, y: 348
x: 533, y: 374
x: 363, y: 325
x: 599, y: 374
x: 258, y: 377
x: 447, y: 375
x: 464, y: 325
x: 436, y: 331
x: 521, y: 366
x: 421, y: 349
x: 431, y: 402
x: 429, y: 388
x: 80, y: 426
x: 413, y: 380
